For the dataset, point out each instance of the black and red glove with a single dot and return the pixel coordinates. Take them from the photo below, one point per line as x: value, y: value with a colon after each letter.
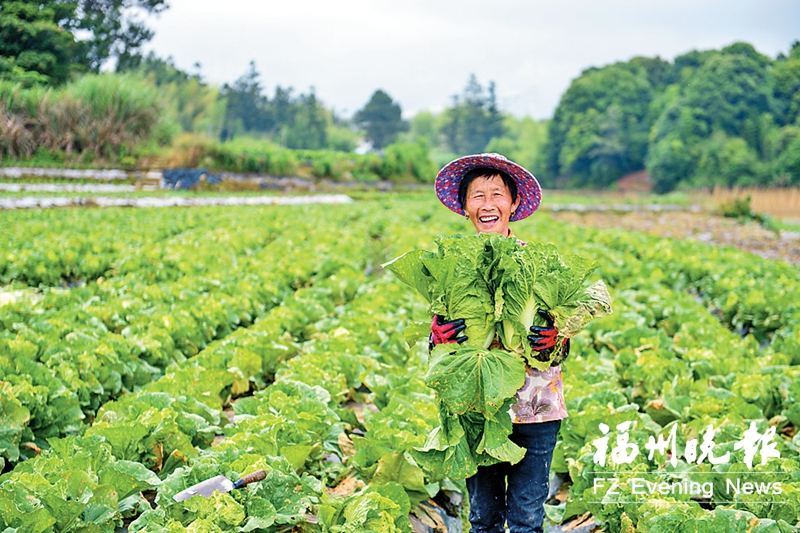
x: 545, y: 338
x: 446, y: 332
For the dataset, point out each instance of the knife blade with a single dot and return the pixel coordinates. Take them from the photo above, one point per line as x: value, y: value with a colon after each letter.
x: 219, y: 483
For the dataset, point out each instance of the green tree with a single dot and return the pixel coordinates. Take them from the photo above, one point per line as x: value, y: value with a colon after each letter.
x: 309, y: 129
x: 38, y: 41
x: 160, y: 71
x: 196, y: 106
x: 340, y: 136
x: 35, y: 47
x: 786, y: 166
x: 733, y: 89
x: 685, y: 65
x: 247, y: 107
x: 523, y: 142
x: 423, y: 129
x: 721, y: 121
x: 714, y: 117
x: 382, y: 119
x: 283, y: 108
x: 786, y: 71
x: 600, y: 128
x: 725, y: 161
x: 115, y: 30
x: 300, y: 122
x: 473, y: 119
x: 659, y: 73
x: 407, y: 162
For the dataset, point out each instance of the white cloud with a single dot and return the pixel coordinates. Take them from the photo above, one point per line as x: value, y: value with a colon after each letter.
x: 421, y: 52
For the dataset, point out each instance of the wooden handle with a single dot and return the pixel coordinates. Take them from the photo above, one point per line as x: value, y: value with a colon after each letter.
x: 250, y: 478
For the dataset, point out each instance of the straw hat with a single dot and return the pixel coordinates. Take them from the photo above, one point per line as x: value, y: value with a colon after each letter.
x: 449, y: 178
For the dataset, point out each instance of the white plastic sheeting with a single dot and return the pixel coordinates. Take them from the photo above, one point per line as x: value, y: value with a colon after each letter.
x: 33, y: 202
x: 57, y: 187
x: 89, y: 174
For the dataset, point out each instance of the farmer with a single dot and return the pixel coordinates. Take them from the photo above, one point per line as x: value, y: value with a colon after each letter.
x: 492, y: 191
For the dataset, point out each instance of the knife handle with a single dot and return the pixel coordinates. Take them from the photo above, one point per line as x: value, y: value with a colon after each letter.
x: 258, y: 475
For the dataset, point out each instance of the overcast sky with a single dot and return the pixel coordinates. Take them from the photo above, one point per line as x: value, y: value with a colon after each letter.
x: 422, y: 52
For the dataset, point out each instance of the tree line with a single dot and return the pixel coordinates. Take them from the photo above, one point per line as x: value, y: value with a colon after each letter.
x: 726, y: 117
x: 715, y: 117
x: 467, y: 126
x: 39, y: 41
x: 53, y: 43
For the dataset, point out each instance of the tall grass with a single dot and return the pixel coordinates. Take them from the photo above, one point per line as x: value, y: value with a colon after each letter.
x: 124, y: 119
x: 99, y: 115
x: 774, y: 202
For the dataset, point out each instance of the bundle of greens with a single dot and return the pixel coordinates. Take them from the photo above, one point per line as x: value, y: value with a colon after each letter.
x: 538, y: 277
x: 496, y: 285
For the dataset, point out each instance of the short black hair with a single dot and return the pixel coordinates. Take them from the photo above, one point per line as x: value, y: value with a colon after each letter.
x: 485, y: 172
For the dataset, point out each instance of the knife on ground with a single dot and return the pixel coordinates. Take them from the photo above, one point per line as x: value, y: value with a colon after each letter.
x: 219, y: 483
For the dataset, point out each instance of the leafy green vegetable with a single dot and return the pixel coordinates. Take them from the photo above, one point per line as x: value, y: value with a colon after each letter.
x: 452, y: 284
x: 380, y: 509
x: 676, y: 351
x: 469, y: 380
x: 541, y: 278
x: 497, y: 286
x: 77, y: 485
x: 156, y: 429
x: 13, y: 417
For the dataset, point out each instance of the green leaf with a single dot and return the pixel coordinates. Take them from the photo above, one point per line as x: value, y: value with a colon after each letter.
x: 379, y: 509
x: 410, y: 270
x: 415, y: 331
x: 474, y: 380
x: 14, y: 418
x: 296, y: 455
x: 156, y: 521
x: 460, y: 289
x: 546, y: 280
x: 282, y: 495
x: 219, y: 511
x: 494, y: 438
x: 128, y: 478
x: 396, y: 467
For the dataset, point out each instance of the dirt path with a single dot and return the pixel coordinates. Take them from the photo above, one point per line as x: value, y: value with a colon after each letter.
x: 701, y: 227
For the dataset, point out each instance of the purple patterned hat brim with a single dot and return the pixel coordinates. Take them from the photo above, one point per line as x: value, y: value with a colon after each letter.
x: 528, y: 190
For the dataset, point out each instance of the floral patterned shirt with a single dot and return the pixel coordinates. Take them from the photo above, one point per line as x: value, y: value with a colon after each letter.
x: 541, y: 397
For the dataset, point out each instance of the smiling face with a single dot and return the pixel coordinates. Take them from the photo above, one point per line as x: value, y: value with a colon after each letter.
x: 489, y: 205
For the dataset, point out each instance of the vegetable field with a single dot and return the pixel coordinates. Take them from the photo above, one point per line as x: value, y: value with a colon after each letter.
x: 143, y: 351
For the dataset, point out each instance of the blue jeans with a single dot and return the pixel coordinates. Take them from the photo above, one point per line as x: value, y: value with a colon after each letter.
x: 520, y: 502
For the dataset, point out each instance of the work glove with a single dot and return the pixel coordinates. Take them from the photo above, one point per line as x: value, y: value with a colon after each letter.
x: 544, y: 340
x: 445, y: 332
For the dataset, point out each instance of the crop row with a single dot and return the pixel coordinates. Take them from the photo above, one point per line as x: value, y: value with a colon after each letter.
x: 152, y: 428
x: 322, y: 391
x: 65, y: 352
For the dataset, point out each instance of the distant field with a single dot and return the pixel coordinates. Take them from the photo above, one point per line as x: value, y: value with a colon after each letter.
x: 771, y: 201
x: 782, y: 203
